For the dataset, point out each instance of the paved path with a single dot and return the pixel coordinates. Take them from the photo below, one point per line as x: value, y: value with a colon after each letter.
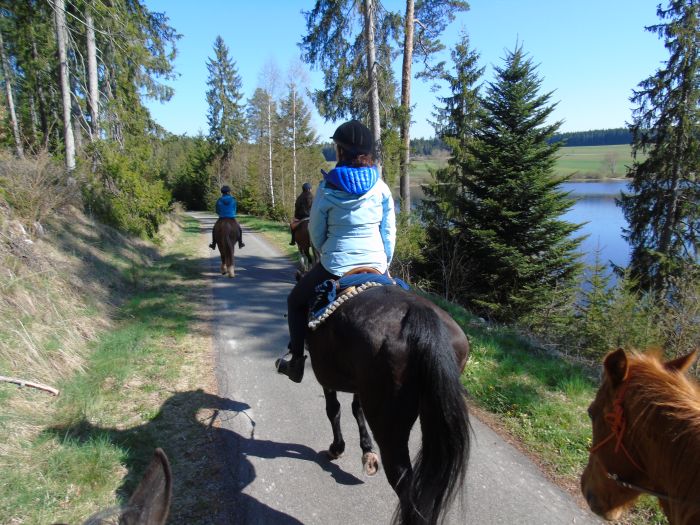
x: 276, y: 430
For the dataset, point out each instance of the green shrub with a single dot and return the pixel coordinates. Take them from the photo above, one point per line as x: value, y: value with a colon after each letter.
x: 120, y: 194
x: 410, y: 239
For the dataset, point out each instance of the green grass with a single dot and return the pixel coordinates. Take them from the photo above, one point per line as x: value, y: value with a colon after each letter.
x: 580, y: 163
x: 276, y: 232
x: 105, y: 422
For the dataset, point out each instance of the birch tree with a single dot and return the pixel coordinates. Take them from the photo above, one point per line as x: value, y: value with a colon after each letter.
x: 6, y: 73
x: 60, y: 23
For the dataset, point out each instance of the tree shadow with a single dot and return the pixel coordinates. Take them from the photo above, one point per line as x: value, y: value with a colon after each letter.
x: 207, y: 488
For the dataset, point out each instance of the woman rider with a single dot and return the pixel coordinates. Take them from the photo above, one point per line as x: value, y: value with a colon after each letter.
x: 352, y: 224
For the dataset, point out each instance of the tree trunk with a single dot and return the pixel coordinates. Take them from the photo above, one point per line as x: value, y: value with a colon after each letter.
x: 10, y: 101
x: 294, y: 141
x: 370, y: 18
x: 405, y: 181
x: 269, y: 139
x: 43, y: 118
x: 93, y: 92
x: 60, y: 18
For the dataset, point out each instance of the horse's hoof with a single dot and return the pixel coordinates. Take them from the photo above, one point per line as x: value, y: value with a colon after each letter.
x: 370, y: 463
x: 334, y: 454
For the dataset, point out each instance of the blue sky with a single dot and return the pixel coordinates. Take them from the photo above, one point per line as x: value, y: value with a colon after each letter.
x: 590, y: 54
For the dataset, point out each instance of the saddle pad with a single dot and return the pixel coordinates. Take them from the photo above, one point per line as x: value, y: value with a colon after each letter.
x: 332, y: 293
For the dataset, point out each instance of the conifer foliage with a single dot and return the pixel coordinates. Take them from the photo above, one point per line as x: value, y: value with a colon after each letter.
x: 226, y: 115
x: 517, y: 252
x: 663, y: 204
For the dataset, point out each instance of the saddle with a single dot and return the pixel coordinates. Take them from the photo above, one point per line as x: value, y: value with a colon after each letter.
x: 296, y: 222
x: 332, y: 293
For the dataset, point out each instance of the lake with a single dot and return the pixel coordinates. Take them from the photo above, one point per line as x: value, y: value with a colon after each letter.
x: 595, y: 208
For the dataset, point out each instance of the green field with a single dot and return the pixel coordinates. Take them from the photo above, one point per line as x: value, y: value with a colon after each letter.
x: 581, y: 163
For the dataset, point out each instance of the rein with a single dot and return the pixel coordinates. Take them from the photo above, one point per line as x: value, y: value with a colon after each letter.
x: 618, y: 425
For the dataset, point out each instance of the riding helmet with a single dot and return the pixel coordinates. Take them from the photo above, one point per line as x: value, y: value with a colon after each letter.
x: 306, y: 186
x: 355, y: 137
x: 225, y: 189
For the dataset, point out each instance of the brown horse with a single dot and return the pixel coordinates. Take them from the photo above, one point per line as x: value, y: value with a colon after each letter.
x: 646, y: 437
x: 227, y: 234
x: 308, y: 256
x: 401, y: 356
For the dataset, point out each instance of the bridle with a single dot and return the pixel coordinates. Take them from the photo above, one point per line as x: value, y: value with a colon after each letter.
x: 618, y: 425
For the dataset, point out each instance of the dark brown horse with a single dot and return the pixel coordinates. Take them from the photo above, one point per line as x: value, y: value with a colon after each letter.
x: 646, y: 437
x: 308, y: 256
x: 227, y: 234
x: 402, y: 357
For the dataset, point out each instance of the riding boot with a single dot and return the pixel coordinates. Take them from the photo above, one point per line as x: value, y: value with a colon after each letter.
x: 241, y: 244
x: 293, y: 369
x: 213, y: 244
x: 293, y: 242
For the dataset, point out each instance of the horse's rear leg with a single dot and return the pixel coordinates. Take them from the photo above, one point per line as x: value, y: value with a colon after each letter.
x: 333, y: 412
x: 391, y: 422
x: 370, y: 460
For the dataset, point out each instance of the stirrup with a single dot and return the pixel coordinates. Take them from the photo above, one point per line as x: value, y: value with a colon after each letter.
x: 293, y: 369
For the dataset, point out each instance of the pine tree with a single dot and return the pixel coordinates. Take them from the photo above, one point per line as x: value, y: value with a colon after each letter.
x: 226, y: 115
x: 518, y: 252
x: 455, y: 126
x: 663, y: 205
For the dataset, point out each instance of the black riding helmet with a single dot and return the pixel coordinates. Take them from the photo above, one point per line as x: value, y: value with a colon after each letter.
x: 354, y: 137
x: 306, y: 186
x: 225, y: 189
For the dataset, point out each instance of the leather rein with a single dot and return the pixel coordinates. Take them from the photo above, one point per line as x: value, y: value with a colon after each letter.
x: 618, y: 425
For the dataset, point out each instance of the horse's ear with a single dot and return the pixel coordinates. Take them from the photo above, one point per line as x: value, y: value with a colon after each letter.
x: 681, y: 364
x: 616, y: 366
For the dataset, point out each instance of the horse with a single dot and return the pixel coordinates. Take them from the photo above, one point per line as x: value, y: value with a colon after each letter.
x: 150, y: 502
x: 227, y: 234
x: 308, y: 255
x: 646, y: 437
x: 402, y: 357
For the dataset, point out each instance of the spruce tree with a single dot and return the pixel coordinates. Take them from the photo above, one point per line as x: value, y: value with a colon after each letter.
x: 226, y: 115
x: 517, y: 251
x: 454, y: 125
x: 663, y: 204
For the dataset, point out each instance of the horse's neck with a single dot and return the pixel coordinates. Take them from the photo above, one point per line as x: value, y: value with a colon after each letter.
x: 669, y: 449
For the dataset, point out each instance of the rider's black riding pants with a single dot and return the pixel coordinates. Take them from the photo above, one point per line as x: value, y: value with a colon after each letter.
x: 298, y: 306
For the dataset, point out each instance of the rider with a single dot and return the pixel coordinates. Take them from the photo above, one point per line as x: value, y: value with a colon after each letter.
x: 302, y: 208
x: 352, y: 224
x: 226, y: 209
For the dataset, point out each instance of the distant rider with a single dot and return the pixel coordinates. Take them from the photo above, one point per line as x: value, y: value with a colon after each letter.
x: 226, y: 209
x: 302, y: 208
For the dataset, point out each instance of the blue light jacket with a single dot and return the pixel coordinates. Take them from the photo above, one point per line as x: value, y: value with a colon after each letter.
x: 226, y: 207
x: 352, y: 220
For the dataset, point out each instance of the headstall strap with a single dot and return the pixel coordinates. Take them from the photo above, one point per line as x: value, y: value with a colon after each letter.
x: 618, y: 425
x: 616, y: 420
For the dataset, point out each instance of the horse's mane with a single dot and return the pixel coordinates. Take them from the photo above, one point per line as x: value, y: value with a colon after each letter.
x: 670, y: 392
x: 667, y: 419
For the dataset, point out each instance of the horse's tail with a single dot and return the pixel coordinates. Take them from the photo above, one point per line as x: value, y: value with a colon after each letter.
x: 440, y: 467
x: 229, y: 235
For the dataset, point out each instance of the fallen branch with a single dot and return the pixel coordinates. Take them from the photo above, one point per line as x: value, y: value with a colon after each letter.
x: 22, y: 382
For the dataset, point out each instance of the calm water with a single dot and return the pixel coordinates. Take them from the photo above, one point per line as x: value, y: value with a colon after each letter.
x: 602, y: 220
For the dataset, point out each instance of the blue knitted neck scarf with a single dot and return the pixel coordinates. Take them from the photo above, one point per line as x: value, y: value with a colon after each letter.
x: 356, y: 181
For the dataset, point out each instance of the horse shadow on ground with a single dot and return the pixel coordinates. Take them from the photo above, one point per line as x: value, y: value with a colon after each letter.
x: 210, y: 464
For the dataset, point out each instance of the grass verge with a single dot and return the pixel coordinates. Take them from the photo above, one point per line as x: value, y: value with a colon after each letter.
x: 146, y: 383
